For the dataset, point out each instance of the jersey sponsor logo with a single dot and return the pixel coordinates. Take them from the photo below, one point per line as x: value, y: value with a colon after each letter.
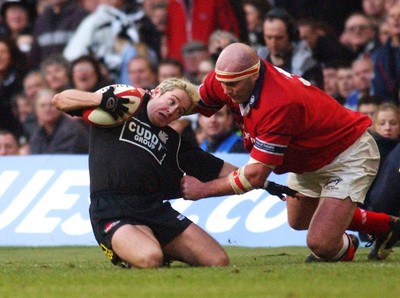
x: 110, y: 225
x: 269, y: 148
x: 140, y: 134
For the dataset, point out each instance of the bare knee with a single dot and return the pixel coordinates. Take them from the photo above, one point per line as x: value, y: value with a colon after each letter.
x: 147, y: 259
x: 221, y: 260
x: 321, y: 247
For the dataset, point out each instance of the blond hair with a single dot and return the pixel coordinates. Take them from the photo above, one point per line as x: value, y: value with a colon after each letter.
x: 183, y: 84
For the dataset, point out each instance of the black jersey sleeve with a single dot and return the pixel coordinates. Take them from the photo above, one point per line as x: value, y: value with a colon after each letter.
x: 77, y: 113
x: 198, y: 163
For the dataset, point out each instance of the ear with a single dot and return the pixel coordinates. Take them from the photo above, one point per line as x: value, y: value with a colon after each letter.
x: 155, y: 92
x: 256, y: 76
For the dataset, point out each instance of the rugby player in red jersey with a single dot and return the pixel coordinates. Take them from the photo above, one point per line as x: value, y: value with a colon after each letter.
x: 291, y: 126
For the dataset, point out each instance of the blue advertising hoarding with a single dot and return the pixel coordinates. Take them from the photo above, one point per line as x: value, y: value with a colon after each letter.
x: 44, y: 201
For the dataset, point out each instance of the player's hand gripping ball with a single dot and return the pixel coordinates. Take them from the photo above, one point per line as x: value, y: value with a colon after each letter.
x: 119, y: 103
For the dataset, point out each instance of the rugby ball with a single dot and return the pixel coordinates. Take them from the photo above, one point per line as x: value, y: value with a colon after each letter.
x: 98, y: 117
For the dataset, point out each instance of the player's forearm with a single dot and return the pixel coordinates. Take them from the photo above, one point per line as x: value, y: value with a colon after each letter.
x: 218, y: 187
x: 72, y: 99
x: 227, y: 168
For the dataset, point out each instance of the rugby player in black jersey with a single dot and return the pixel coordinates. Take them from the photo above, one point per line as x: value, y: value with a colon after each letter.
x: 135, y: 168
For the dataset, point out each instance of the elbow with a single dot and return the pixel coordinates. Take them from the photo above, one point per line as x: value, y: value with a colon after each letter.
x: 257, y: 174
x: 257, y: 181
x: 57, y: 102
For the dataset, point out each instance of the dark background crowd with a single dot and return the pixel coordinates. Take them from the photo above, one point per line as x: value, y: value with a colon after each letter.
x: 348, y: 48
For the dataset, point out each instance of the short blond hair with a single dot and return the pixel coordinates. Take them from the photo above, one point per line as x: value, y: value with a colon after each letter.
x: 190, y: 89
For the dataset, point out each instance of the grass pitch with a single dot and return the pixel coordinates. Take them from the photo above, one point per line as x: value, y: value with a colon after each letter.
x: 254, y: 272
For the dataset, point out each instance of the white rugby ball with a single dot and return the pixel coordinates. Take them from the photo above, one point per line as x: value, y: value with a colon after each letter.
x: 98, y: 117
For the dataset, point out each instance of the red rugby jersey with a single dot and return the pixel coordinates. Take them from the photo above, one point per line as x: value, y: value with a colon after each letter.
x: 291, y: 124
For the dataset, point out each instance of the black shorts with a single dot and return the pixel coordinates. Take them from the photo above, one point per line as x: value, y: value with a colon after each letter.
x: 108, y: 212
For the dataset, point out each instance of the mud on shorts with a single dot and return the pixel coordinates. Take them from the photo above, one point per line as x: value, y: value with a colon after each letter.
x: 108, y: 212
x: 350, y: 174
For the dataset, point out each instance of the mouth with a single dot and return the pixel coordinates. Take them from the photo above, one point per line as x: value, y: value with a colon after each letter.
x: 162, y: 116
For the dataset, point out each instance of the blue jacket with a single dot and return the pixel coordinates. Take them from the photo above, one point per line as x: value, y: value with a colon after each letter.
x: 386, y: 70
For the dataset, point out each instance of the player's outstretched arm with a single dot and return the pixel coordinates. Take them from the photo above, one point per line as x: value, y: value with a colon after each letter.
x: 72, y: 99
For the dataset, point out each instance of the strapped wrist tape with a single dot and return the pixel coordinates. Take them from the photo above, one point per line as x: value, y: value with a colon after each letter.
x: 239, y: 182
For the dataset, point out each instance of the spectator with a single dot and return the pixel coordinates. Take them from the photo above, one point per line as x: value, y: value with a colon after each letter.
x: 386, y: 128
x: 387, y: 58
x: 386, y: 131
x: 153, y: 25
x: 55, y: 71
x: 22, y: 106
x: 57, y: 133
x: 17, y: 20
x: 33, y: 81
x: 142, y: 73
x: 332, y: 12
x: 205, y: 66
x: 285, y: 51
x: 86, y: 74
x: 169, y: 68
x: 195, y: 20
x: 329, y: 72
x: 23, y: 110
x: 359, y: 34
x: 89, y: 5
x: 107, y: 34
x: 54, y: 27
x: 344, y: 83
x: 374, y: 9
x: 383, y: 32
x: 362, y: 73
x: 193, y: 53
x: 325, y: 46
x: 220, y: 133
x: 218, y: 40
x: 386, y: 121
x: 254, y: 11
x: 368, y: 105
x: 8, y: 143
x: 13, y: 67
x: 383, y: 195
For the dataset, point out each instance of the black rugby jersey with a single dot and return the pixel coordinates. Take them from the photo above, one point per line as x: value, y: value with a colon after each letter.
x: 143, y: 160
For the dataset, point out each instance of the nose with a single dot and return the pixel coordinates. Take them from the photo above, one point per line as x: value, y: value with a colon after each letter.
x: 172, y: 110
x: 227, y: 89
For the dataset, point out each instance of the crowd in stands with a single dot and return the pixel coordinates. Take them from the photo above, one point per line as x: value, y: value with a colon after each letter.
x: 349, y: 49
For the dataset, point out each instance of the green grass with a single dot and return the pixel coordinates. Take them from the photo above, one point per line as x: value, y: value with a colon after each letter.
x: 254, y: 272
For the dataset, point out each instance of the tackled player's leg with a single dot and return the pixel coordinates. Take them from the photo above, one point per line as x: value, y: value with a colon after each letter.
x: 196, y: 247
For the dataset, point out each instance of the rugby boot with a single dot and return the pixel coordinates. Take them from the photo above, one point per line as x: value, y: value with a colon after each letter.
x: 383, y: 245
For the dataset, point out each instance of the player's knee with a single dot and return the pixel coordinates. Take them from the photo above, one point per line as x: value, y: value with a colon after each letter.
x: 148, y: 259
x: 223, y: 260
x: 320, y: 247
x: 217, y: 260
